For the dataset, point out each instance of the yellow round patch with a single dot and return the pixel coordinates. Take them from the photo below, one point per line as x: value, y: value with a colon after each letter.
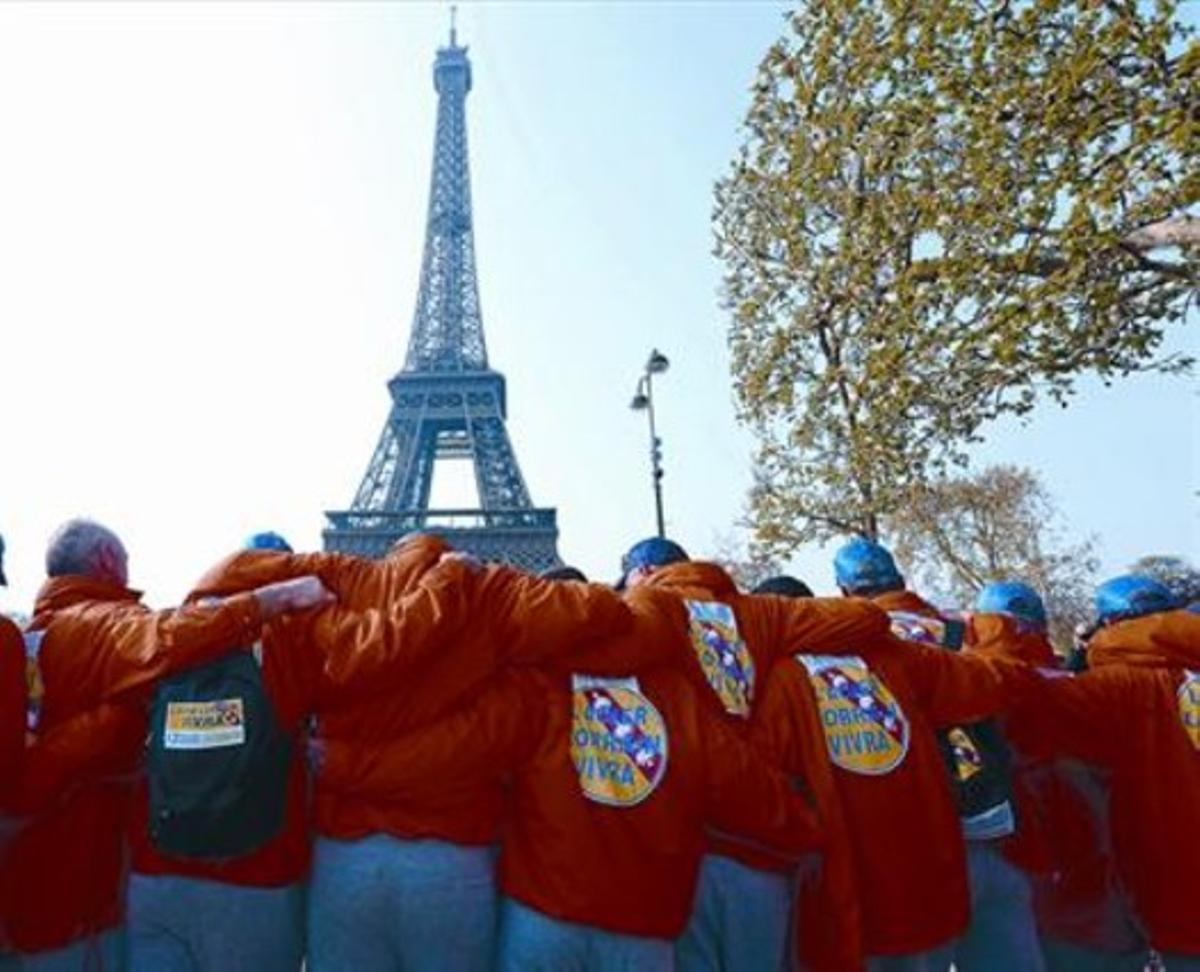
x: 618, y: 742
x: 866, y: 731
x: 1189, y: 706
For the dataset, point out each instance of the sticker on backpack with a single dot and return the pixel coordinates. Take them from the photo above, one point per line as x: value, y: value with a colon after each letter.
x: 866, y: 731
x: 967, y: 758
x: 205, y: 725
x: 618, y: 740
x: 723, y: 655
x: 1189, y: 706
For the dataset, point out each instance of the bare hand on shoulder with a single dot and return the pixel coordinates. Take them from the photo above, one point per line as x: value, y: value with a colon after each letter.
x: 298, y: 594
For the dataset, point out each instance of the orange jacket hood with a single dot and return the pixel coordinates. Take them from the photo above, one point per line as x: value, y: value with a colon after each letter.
x: 59, y: 593
x: 908, y: 601
x: 695, y: 575
x: 1170, y: 639
x: 1008, y: 637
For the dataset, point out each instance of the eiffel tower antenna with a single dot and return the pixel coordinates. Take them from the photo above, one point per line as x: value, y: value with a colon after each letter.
x: 447, y: 403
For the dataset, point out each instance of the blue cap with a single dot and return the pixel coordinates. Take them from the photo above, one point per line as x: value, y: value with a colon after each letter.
x: 652, y: 552
x: 1012, y: 597
x: 864, y: 565
x: 1131, y: 596
x: 268, y: 540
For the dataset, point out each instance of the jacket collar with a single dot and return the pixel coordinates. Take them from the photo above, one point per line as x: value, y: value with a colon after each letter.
x: 59, y: 593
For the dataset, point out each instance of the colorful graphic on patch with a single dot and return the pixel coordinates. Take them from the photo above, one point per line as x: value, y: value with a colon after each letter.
x: 967, y: 759
x: 724, y: 657
x: 917, y: 628
x: 1189, y: 706
x: 866, y: 731
x: 205, y: 725
x: 618, y: 741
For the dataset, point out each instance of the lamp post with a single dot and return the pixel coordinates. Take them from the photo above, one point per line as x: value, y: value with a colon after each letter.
x: 643, y: 399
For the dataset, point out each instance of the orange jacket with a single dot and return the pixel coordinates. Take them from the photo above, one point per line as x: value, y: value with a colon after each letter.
x: 12, y: 702
x: 1136, y: 712
x: 708, y: 618
x: 300, y: 678
x: 859, y: 725
x: 62, y: 875
x: 614, y: 782
x: 513, y: 619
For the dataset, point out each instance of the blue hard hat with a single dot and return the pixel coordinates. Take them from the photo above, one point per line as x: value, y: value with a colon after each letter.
x: 652, y: 552
x: 863, y: 564
x: 1012, y: 597
x: 1131, y: 596
x: 268, y: 540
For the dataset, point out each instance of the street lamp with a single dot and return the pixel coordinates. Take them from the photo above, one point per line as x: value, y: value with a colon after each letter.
x: 643, y: 399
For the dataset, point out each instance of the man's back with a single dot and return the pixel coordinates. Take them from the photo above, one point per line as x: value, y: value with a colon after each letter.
x: 1142, y: 722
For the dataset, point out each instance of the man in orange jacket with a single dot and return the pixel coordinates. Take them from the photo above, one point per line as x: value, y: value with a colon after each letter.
x: 615, y: 780
x: 1136, y: 714
x: 62, y: 877
x: 410, y: 882
x: 1002, y: 931
x: 247, y: 912
x: 1084, y: 915
x: 724, y: 643
x: 859, y: 724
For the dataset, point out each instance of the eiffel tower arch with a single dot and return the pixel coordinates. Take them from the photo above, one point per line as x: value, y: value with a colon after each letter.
x: 447, y: 403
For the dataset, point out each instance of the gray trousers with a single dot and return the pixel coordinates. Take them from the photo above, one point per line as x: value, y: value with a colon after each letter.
x: 181, y: 924
x: 531, y: 941
x: 381, y: 904
x: 1002, y: 935
x: 97, y: 953
x: 931, y: 960
x: 739, y: 919
x: 1064, y: 956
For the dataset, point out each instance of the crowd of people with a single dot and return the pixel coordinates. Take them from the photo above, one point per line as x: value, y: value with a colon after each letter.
x: 425, y: 762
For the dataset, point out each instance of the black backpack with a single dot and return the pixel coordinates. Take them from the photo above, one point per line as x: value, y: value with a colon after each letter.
x: 217, y: 761
x: 980, y: 766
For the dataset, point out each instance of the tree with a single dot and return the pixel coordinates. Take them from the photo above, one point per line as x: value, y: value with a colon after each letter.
x: 941, y: 212
x: 998, y: 524
x: 745, y: 560
x: 1177, y: 573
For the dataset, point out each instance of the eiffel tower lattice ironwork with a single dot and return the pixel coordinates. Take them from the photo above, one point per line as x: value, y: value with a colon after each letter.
x: 446, y: 401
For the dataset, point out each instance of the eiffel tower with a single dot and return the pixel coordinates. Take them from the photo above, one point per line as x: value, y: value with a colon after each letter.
x: 446, y: 402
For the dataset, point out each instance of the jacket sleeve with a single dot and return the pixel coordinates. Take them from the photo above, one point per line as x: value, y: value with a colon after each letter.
x: 1072, y: 715
x: 365, y: 652
x: 815, y: 625
x: 750, y: 802
x: 103, y: 742
x: 656, y: 635
x: 12, y: 699
x: 955, y: 688
x: 538, y: 618
x: 484, y: 740
x: 136, y: 648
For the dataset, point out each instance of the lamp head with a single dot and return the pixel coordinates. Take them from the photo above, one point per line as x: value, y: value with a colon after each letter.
x: 658, y: 363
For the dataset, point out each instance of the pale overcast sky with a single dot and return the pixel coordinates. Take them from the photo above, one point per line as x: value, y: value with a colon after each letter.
x: 211, y: 220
